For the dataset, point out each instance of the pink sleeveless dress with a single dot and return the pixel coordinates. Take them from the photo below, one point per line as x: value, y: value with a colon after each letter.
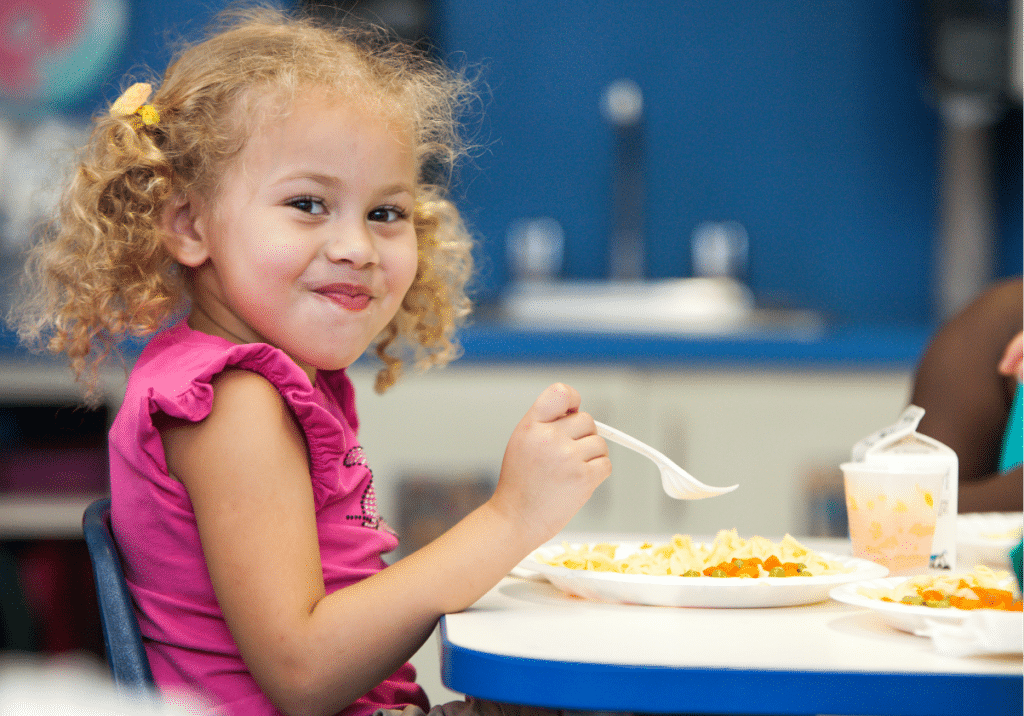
x: 187, y: 639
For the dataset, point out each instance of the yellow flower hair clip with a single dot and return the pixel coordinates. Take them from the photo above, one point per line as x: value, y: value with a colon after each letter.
x: 133, y: 102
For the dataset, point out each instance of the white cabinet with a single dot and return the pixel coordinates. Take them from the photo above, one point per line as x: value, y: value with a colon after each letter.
x: 773, y: 431
x: 770, y: 431
x: 456, y: 422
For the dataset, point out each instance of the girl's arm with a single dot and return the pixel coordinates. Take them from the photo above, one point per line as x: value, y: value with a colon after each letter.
x: 246, y: 471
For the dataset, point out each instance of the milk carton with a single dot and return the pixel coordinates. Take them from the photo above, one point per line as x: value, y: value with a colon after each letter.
x: 901, y: 498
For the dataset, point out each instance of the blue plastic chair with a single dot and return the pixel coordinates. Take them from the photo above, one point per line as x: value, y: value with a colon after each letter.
x: 126, y: 655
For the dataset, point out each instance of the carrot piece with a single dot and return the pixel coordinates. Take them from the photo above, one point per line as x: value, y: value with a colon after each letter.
x: 994, y: 598
x: 964, y: 603
x: 772, y: 562
x: 727, y: 568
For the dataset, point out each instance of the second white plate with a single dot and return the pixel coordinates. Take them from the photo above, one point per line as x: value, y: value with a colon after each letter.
x: 904, y: 617
x: 987, y: 538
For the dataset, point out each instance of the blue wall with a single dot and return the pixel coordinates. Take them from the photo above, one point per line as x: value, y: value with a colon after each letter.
x: 811, y: 123
x: 155, y: 28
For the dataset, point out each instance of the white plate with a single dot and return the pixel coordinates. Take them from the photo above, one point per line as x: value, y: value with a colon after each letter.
x: 904, y: 617
x: 987, y: 538
x: 666, y: 591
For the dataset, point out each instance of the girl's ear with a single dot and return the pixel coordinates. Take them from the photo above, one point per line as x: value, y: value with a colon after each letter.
x: 183, y: 237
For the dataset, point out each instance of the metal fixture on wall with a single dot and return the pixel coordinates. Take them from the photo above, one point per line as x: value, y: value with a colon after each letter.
x: 968, y: 54
x: 623, y: 106
x: 408, y: 19
x: 535, y: 247
x: 720, y: 249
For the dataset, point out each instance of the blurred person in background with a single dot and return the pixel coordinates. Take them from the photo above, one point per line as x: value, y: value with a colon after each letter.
x: 969, y: 384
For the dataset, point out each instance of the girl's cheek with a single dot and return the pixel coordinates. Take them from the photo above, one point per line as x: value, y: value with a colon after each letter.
x: 280, y: 255
x: 407, y: 277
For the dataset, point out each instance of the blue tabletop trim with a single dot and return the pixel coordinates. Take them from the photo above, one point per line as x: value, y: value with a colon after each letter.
x: 654, y: 689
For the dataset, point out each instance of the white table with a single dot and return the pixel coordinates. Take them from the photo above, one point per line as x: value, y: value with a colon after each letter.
x: 524, y: 642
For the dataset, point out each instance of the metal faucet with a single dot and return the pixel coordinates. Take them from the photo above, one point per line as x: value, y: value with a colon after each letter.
x: 623, y: 109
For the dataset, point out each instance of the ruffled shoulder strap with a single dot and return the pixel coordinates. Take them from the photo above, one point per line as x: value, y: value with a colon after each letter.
x: 181, y: 363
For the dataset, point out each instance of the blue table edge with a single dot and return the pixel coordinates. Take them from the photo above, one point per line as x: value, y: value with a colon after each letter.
x: 659, y: 689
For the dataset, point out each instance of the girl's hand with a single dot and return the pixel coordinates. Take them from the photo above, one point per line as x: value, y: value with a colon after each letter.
x: 1012, y: 363
x: 554, y: 461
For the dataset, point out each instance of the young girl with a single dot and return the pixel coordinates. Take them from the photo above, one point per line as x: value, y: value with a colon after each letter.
x: 283, y: 178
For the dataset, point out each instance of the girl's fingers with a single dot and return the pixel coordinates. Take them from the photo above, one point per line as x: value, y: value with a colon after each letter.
x: 592, y: 447
x: 578, y: 425
x: 555, y: 402
x: 1013, y: 360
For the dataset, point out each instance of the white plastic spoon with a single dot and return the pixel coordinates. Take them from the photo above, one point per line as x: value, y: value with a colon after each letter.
x: 676, y: 481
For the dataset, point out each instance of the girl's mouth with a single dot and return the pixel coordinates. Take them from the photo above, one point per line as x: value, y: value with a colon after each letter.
x: 347, y: 295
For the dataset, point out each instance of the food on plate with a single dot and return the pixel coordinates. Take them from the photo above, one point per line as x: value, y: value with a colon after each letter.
x: 982, y: 588
x: 1002, y: 535
x: 987, y: 538
x: 728, y: 556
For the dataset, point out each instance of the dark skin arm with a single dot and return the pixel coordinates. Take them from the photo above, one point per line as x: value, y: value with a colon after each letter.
x: 967, y: 396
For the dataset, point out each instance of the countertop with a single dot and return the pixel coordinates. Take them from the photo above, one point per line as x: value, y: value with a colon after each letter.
x: 850, y: 346
x: 828, y: 346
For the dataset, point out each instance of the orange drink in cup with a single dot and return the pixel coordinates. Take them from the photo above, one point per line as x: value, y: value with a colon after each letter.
x: 893, y: 509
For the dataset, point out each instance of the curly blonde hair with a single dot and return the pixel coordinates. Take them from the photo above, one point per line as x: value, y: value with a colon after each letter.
x: 101, y: 272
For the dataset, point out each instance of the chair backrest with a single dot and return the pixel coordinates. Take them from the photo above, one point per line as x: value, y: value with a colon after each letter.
x: 126, y: 654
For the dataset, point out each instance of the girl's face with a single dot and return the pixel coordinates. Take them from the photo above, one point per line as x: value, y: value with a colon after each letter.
x: 310, y: 244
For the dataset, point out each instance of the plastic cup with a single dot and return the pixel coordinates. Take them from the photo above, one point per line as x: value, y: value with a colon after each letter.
x: 892, y: 511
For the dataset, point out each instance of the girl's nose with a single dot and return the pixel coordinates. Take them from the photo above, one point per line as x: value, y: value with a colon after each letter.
x: 353, y: 243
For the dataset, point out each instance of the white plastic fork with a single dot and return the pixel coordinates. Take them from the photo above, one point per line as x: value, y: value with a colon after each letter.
x: 676, y: 481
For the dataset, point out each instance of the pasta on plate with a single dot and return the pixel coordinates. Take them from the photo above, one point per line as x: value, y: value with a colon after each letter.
x: 982, y: 588
x: 729, y: 554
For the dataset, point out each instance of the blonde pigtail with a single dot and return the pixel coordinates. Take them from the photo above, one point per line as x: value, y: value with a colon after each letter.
x: 99, y: 273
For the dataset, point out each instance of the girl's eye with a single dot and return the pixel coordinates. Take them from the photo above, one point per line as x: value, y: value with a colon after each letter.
x: 386, y: 214
x: 308, y: 205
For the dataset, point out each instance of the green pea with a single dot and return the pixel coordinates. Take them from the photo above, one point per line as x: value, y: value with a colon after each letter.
x: 913, y: 600
x: 692, y: 573
x: 937, y: 603
x: 738, y: 562
x: 777, y: 572
x: 719, y: 573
